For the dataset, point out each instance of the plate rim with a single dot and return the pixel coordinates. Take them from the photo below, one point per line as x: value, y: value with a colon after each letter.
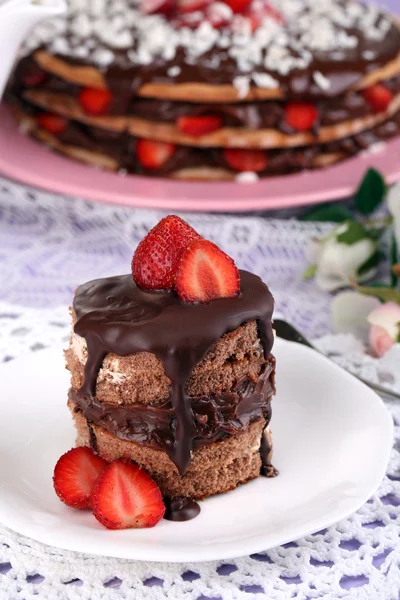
x: 63, y: 177
x: 249, y: 545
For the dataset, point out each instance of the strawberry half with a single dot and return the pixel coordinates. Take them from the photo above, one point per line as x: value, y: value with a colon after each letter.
x: 75, y: 474
x: 186, y: 6
x: 125, y: 496
x: 34, y: 78
x: 159, y: 7
x: 301, y: 116
x: 246, y: 160
x: 52, y: 123
x: 156, y: 256
x: 205, y: 273
x: 153, y: 155
x: 378, y: 97
x: 238, y: 6
x: 95, y: 101
x: 198, y: 126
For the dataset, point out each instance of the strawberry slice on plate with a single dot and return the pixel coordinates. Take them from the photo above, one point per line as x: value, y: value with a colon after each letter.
x: 125, y: 496
x: 156, y: 256
x: 198, y: 126
x: 301, y: 116
x: 152, y: 154
x: 95, y: 101
x: 205, y: 273
x: 52, y: 123
x: 378, y: 97
x: 159, y: 7
x: 75, y: 474
x: 246, y: 160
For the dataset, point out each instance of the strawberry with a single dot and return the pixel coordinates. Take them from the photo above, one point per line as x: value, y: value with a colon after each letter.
x: 95, y: 101
x: 125, y: 496
x: 152, y: 154
x: 198, y: 126
x: 238, y: 6
x: 187, y: 6
x: 378, y: 97
x: 34, y: 78
x: 300, y: 116
x: 246, y: 160
x: 75, y: 474
x: 205, y: 273
x: 155, y: 258
x: 52, y: 123
x: 159, y: 7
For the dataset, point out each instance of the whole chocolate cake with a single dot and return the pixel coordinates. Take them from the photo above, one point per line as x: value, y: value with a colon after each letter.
x: 194, y: 89
x: 176, y: 381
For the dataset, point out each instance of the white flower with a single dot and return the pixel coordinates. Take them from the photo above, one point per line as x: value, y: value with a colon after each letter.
x: 350, y: 312
x: 343, y: 255
x: 393, y: 200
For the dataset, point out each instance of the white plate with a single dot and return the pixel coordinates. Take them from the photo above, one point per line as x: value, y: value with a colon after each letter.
x: 332, y: 439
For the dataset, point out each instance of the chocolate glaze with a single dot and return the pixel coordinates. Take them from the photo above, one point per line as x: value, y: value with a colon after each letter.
x: 180, y: 509
x: 214, y: 417
x: 114, y: 315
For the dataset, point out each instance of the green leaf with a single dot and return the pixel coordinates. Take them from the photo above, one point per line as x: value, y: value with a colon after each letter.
x: 334, y: 213
x: 386, y: 294
x: 310, y: 272
x: 372, y: 262
x: 398, y: 336
x: 394, y: 258
x: 354, y: 233
x: 371, y: 192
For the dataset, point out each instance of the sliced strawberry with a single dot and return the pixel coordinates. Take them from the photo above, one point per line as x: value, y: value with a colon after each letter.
x: 125, y: 496
x: 152, y: 154
x: 205, y: 273
x: 159, y: 7
x: 198, y: 126
x: 75, y: 474
x: 95, y: 101
x: 238, y: 6
x: 246, y: 160
x: 378, y: 97
x: 34, y: 78
x: 156, y: 256
x: 187, y: 6
x: 52, y: 123
x: 301, y: 116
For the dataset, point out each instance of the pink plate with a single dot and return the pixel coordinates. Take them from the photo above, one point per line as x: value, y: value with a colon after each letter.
x: 23, y: 159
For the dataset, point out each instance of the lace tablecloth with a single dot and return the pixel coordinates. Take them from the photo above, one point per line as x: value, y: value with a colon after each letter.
x: 50, y: 244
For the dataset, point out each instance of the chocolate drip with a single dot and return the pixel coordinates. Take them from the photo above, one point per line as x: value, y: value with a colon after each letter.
x: 114, y: 315
x: 214, y: 417
x: 92, y: 438
x: 267, y: 469
x: 180, y: 509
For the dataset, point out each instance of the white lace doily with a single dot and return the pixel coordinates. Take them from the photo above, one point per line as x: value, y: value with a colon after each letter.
x: 48, y: 245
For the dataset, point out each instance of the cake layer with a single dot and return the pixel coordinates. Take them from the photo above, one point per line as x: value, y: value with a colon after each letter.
x: 141, y: 378
x: 215, y: 416
x: 267, y: 114
x: 214, y: 469
x: 225, y: 137
x: 282, y: 49
x: 101, y: 148
x: 114, y: 316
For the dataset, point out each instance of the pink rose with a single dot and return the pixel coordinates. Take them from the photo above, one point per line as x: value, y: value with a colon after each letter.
x: 385, y: 327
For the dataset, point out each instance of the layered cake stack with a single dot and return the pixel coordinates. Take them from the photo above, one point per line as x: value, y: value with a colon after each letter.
x: 193, y: 89
x: 172, y: 368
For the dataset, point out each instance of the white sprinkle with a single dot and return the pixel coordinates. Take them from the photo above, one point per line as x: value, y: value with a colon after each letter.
x: 242, y: 84
x: 263, y: 80
x: 247, y: 177
x: 174, y: 71
x: 321, y: 81
x: 369, y: 54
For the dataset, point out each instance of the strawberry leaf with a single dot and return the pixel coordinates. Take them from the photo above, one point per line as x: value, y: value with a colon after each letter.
x: 334, y: 213
x: 371, y: 192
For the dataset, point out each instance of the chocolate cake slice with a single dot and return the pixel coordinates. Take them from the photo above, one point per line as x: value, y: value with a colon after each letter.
x: 183, y: 389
